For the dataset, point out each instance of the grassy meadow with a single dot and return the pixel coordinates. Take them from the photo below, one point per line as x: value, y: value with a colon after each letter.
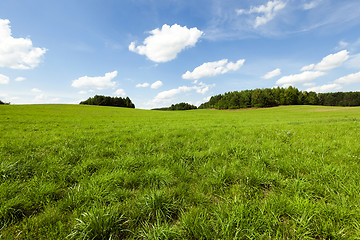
x: 90, y: 172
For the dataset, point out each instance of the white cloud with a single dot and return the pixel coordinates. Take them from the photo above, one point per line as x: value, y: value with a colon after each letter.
x: 329, y: 62
x: 311, y: 5
x: 203, y: 88
x: 351, y: 78
x: 142, y: 85
x: 325, y: 88
x: 120, y: 92
x: 300, y: 78
x: 164, y: 44
x: 4, y: 79
x: 20, y: 79
x: 272, y: 74
x: 337, y: 84
x: 308, y: 67
x: 96, y: 82
x: 156, y: 85
x: 267, y: 12
x: 211, y: 69
x: 36, y: 90
x: 169, y: 95
x: 17, y: 53
x: 332, y: 61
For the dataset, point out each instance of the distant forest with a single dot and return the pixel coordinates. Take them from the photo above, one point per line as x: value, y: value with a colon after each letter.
x: 270, y: 97
x: 178, y: 106
x: 257, y: 98
x: 109, y: 101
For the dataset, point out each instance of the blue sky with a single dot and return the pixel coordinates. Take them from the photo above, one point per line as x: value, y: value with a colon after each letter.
x: 160, y: 52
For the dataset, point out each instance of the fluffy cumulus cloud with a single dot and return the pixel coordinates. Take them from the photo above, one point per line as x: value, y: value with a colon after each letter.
x: 211, y: 69
x: 300, y: 78
x: 20, y: 79
x: 36, y: 90
x: 165, y: 44
x: 4, y: 79
x: 325, y: 88
x: 329, y: 62
x: 266, y: 12
x: 120, y: 92
x: 332, y: 61
x: 99, y: 83
x: 351, y: 78
x: 337, y: 84
x: 313, y: 71
x: 169, y: 95
x: 272, y: 74
x: 142, y: 85
x: 202, y: 88
x: 17, y: 53
x: 308, y: 67
x: 156, y: 84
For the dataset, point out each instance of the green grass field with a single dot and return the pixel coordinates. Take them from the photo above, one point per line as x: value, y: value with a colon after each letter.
x: 89, y: 172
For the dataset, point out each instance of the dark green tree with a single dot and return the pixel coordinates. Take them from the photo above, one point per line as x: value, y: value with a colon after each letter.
x: 181, y: 106
x: 291, y: 96
x: 312, y: 98
x: 339, y: 99
x: 280, y: 96
x: 109, y: 101
x: 176, y: 107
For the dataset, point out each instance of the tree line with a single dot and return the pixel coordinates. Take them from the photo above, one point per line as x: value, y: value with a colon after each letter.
x: 109, y: 101
x: 271, y: 97
x: 178, y: 106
